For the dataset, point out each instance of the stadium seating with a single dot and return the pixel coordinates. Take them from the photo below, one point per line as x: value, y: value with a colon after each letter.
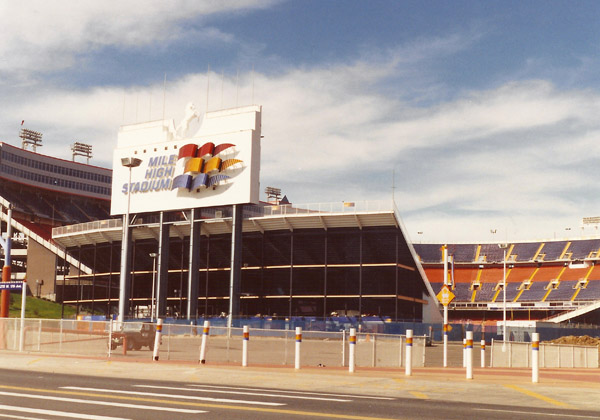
x: 543, y: 278
x: 553, y: 250
x: 485, y: 293
x: 492, y: 253
x: 590, y: 293
x: 462, y: 252
x: 564, y: 292
x: 582, y: 249
x: 463, y: 292
x: 511, y: 293
x: 525, y: 251
x: 536, y: 292
x: 429, y: 253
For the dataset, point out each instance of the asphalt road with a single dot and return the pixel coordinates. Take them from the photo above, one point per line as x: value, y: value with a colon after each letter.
x: 38, y: 395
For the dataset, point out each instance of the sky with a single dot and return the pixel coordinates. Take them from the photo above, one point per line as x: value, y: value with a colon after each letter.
x: 481, y: 119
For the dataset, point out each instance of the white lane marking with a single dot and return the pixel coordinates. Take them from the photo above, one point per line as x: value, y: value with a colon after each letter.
x: 261, y: 394
x: 53, y: 413
x: 15, y: 417
x: 96, y: 402
x: 538, y: 413
x: 293, y: 392
x: 184, y: 397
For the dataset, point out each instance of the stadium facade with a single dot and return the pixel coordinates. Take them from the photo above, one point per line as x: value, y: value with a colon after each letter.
x: 46, y: 192
x: 296, y: 261
x: 351, y: 258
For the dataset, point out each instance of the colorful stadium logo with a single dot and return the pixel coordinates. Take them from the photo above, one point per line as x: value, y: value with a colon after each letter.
x: 205, y: 166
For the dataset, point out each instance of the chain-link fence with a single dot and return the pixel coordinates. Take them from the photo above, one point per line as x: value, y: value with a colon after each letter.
x: 518, y: 354
x: 224, y: 345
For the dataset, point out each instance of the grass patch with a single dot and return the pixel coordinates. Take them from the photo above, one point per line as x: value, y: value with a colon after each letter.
x: 38, y: 308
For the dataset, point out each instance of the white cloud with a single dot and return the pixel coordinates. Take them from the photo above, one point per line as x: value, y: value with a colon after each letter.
x: 506, y: 156
x: 41, y: 35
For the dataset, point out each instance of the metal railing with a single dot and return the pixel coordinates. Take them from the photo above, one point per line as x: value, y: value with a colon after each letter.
x: 518, y: 354
x: 250, y: 212
x: 182, y: 343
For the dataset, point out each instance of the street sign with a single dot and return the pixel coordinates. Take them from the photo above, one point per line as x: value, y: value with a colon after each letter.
x: 11, y: 285
x: 445, y: 296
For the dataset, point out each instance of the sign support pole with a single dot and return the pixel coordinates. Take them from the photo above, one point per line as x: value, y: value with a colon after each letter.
x: 22, y: 330
x: 445, y: 258
x: 236, y: 265
x: 6, y: 244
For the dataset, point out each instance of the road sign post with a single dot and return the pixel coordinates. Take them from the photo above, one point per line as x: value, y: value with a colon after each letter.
x: 445, y: 296
x: 23, y: 300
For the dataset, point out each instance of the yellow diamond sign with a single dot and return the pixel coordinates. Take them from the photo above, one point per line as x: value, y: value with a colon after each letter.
x: 445, y: 296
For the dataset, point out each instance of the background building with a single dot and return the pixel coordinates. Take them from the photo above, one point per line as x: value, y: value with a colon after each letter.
x: 47, y: 192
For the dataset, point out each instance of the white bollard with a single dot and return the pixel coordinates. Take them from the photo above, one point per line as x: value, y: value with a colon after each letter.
x: 159, y: 325
x: 446, y: 328
x: 204, y: 340
x: 464, y: 352
x: 409, y: 346
x: 246, y: 338
x: 298, y: 343
x: 535, y: 354
x: 469, y: 354
x: 482, y: 353
x: 352, y: 350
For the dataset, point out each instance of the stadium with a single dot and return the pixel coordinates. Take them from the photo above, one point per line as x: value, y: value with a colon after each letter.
x: 294, y: 260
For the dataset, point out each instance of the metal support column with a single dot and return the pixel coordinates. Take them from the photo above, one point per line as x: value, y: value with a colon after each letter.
x: 325, y: 281
x: 236, y: 264
x: 396, y: 279
x: 125, y: 273
x: 94, y: 277
x: 194, y: 266
x: 360, y: 272
x: 291, y: 273
x: 163, y: 267
x: 79, y: 292
x: 206, y: 276
x: 110, y: 271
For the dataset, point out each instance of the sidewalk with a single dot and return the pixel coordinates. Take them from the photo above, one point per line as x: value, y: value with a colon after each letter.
x: 560, y: 388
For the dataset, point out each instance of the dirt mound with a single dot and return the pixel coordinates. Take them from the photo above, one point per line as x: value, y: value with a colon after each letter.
x: 583, y: 340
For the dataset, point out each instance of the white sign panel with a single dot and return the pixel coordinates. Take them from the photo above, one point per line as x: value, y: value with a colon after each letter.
x: 218, y: 166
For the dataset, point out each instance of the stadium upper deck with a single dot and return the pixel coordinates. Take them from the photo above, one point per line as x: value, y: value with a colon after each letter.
x: 46, y: 192
x: 544, y: 279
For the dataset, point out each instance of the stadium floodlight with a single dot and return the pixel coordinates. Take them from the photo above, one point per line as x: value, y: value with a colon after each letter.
x: 81, y: 149
x: 273, y: 192
x: 30, y: 137
x: 131, y: 162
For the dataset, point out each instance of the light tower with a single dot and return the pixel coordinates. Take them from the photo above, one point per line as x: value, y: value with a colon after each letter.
x: 81, y: 149
x: 30, y: 137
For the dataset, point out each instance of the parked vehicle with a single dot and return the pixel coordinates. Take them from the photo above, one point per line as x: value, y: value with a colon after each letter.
x: 136, y: 335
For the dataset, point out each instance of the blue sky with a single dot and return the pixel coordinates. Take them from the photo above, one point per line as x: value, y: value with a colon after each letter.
x: 485, y: 111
